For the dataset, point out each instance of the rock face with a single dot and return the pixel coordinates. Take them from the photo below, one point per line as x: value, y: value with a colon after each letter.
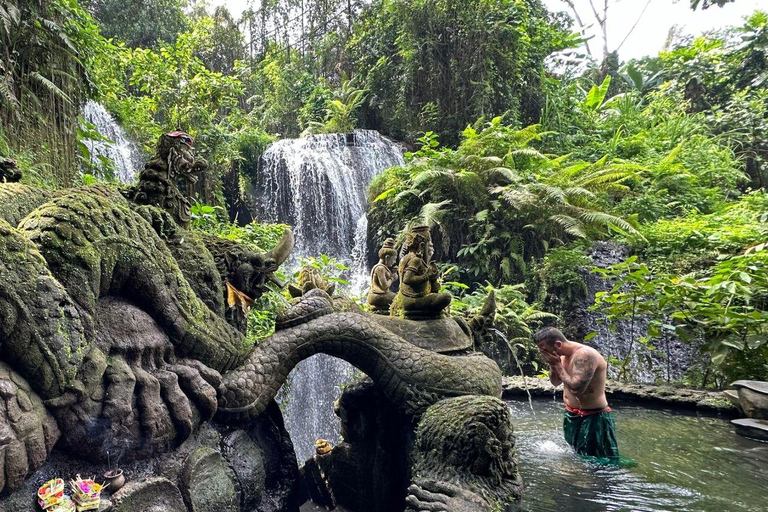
x: 210, y: 485
x: 247, y: 462
x: 753, y: 398
x: 672, y: 357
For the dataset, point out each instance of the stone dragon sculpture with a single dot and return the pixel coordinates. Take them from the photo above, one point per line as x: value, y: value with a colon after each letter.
x: 114, y: 333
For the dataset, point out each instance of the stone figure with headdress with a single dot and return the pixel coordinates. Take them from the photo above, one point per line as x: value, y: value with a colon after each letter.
x: 383, y: 276
x: 419, y: 296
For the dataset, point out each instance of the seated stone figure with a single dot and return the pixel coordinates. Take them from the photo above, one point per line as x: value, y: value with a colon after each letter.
x: 383, y: 275
x: 419, y: 297
x: 310, y: 278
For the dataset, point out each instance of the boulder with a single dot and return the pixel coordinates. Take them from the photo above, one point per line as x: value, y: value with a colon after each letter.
x: 749, y: 427
x: 209, y: 484
x: 246, y: 460
x: 753, y: 397
x: 150, y: 495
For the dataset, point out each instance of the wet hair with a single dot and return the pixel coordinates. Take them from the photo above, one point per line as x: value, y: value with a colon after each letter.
x: 549, y: 335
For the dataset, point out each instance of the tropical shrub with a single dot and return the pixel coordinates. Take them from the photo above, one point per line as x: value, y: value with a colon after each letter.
x: 498, y: 202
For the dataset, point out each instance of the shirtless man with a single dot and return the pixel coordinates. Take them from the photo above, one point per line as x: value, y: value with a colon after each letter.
x: 588, y: 424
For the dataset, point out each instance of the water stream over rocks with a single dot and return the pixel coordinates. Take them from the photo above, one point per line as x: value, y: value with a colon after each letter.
x: 125, y: 154
x: 318, y: 185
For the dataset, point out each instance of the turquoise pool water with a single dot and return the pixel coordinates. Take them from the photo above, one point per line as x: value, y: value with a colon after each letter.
x: 685, y: 463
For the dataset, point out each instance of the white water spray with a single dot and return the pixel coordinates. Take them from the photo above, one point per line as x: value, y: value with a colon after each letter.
x: 318, y: 185
x: 126, y: 155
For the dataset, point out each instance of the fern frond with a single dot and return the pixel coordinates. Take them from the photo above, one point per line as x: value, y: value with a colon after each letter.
x: 406, y: 192
x: 570, y: 225
x: 505, y: 173
x: 517, y: 198
x: 432, y: 213
x: 530, y: 153
x: 605, y: 219
x: 550, y: 192
x: 425, y: 178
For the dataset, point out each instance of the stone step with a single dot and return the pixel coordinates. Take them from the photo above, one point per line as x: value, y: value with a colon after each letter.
x: 755, y: 429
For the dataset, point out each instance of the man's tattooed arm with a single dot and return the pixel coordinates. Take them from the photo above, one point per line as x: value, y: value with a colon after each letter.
x: 583, y: 366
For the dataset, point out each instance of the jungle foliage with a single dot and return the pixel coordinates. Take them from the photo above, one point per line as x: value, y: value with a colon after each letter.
x: 519, y: 168
x: 664, y: 155
x: 47, y: 50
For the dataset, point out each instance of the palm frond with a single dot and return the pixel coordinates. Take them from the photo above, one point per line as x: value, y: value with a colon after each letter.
x: 51, y: 87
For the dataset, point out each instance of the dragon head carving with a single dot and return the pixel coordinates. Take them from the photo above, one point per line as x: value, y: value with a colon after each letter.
x: 247, y: 270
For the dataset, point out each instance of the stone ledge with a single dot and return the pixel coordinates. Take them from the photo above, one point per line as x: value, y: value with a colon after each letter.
x: 654, y: 394
x: 752, y: 428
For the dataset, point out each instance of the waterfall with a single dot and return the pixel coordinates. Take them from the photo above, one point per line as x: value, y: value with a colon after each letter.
x: 126, y: 155
x: 318, y: 185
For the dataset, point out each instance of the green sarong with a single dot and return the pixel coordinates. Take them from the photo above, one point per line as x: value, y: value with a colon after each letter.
x: 593, y: 434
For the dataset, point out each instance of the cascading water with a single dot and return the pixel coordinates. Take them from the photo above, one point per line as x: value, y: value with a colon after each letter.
x: 318, y: 185
x: 126, y: 155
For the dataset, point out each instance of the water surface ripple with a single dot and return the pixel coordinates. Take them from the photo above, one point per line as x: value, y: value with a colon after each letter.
x: 685, y: 463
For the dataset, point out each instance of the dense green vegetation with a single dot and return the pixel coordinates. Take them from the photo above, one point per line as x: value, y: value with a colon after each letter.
x: 671, y: 164
x: 518, y: 167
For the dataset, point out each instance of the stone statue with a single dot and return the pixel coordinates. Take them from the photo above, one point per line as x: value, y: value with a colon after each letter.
x: 114, y: 335
x: 174, y: 163
x: 9, y: 172
x: 383, y: 276
x: 464, y: 458
x: 310, y: 278
x: 419, y: 297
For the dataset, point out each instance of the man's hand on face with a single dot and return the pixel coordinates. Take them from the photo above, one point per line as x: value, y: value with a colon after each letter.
x: 549, y: 357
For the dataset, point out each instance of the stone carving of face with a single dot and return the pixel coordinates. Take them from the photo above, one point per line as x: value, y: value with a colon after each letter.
x: 251, y: 276
x: 182, y: 162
